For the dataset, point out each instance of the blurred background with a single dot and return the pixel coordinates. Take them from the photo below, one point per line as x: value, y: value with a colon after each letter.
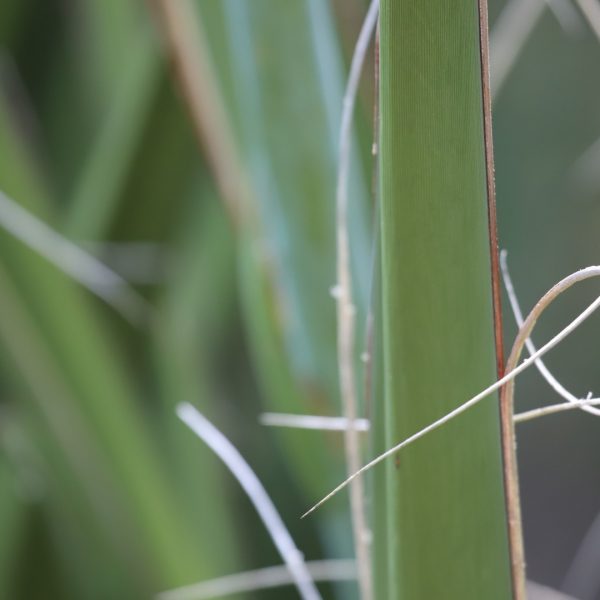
x: 191, y: 148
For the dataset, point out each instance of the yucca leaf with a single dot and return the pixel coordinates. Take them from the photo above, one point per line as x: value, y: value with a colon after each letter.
x: 445, y: 503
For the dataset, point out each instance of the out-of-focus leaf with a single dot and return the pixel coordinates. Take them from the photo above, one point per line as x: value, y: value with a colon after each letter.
x: 13, y: 516
x: 194, y: 309
x: 311, y: 457
x: 74, y: 375
x: 287, y: 123
x: 109, y: 161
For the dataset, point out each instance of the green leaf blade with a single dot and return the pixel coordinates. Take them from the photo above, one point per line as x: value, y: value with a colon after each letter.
x: 445, y: 494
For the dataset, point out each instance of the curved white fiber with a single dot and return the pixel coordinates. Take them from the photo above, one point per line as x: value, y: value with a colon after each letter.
x: 346, y: 310
x: 254, y: 489
x: 584, y: 404
x: 261, y: 579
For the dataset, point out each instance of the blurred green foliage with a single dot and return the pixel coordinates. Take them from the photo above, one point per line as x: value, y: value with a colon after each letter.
x: 105, y: 494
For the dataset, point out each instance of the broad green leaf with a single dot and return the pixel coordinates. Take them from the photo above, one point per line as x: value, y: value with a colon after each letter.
x: 445, y: 504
